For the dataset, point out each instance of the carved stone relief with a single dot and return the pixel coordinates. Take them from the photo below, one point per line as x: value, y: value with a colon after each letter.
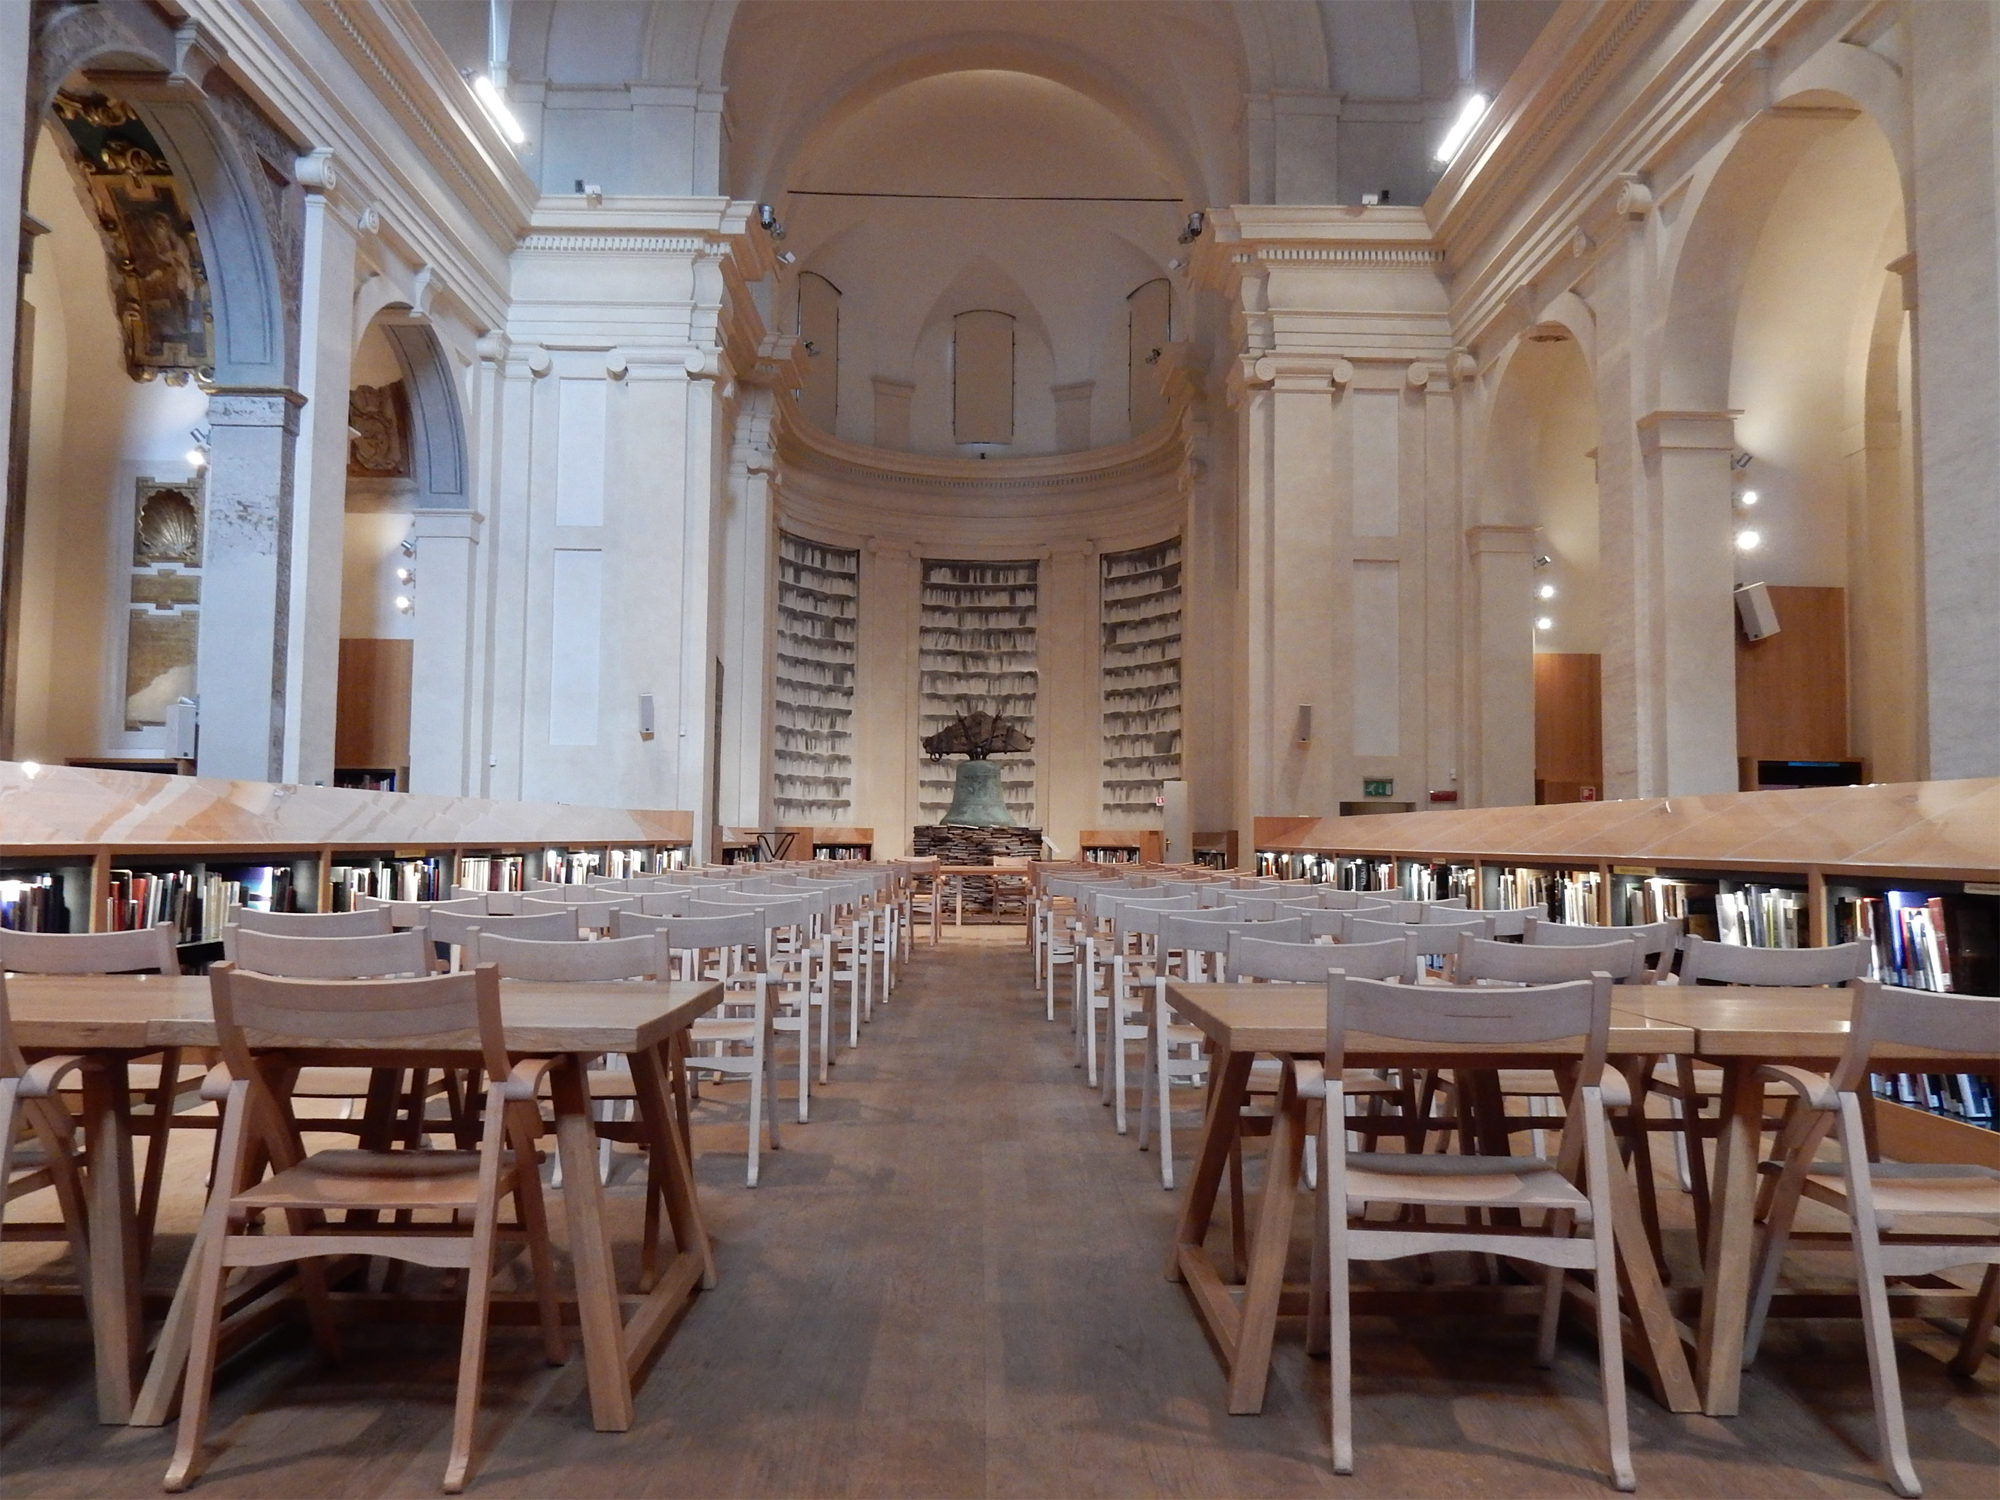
x: 163, y: 624
x: 378, y: 424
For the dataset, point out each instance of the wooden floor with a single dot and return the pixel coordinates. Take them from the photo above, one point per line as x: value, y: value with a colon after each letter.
x: 949, y: 1284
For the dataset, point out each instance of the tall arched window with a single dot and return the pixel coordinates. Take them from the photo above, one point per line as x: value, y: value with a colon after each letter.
x: 982, y: 352
x: 819, y: 331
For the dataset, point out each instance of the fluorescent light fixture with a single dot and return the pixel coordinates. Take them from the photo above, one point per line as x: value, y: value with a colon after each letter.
x: 1748, y: 540
x: 1545, y: 623
x: 1546, y: 591
x: 495, y: 104
x: 1469, y: 116
x: 1749, y: 497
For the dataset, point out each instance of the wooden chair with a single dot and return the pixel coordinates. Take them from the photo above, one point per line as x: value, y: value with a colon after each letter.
x: 417, y: 913
x: 39, y: 1149
x: 1572, y: 1192
x: 1867, y: 1193
x: 164, y: 1090
x: 361, y: 923
x: 589, y: 915
x: 1657, y: 941
x: 261, y: 1021
x: 790, y: 955
x: 448, y: 928
x: 1692, y: 1085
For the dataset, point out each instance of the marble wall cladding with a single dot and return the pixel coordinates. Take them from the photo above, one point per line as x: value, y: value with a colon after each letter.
x: 976, y: 650
x: 812, y: 765
x: 70, y: 806
x: 1140, y: 625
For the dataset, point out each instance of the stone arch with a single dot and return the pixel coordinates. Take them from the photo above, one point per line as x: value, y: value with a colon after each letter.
x: 437, y: 425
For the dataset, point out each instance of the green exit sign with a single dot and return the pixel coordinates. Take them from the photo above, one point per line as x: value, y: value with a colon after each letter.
x: 1378, y: 788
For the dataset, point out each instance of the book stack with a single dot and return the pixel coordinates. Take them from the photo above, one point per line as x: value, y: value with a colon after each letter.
x: 503, y: 872
x: 33, y: 905
x: 1761, y: 917
x: 420, y: 879
x: 1905, y: 930
x: 1569, y: 896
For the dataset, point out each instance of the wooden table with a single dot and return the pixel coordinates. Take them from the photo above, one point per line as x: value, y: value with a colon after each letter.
x: 1289, y: 1021
x: 1742, y: 1029
x: 959, y: 874
x: 122, y: 1016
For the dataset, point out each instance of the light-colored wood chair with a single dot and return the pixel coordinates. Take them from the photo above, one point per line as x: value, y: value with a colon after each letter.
x: 165, y: 1090
x: 363, y: 923
x: 260, y: 1021
x: 417, y: 913
x: 39, y: 1148
x: 1879, y: 1199
x: 377, y: 955
x: 1658, y: 941
x: 1571, y: 1193
x: 590, y: 915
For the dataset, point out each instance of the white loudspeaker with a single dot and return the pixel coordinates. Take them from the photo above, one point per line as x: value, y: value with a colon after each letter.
x: 182, y: 722
x: 1754, y: 611
x: 1305, y: 730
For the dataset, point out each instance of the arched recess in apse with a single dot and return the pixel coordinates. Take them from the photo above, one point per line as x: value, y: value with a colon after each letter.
x: 1148, y: 327
x: 1788, y: 309
x: 405, y: 573
x: 819, y: 334
x: 982, y: 387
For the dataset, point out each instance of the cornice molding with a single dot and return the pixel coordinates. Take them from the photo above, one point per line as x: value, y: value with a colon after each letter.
x: 1152, y: 455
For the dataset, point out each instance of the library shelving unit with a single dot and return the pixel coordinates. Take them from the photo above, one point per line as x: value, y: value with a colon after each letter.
x: 1912, y: 868
x: 92, y: 850
x: 817, y: 842
x: 1121, y: 846
x: 1216, y: 851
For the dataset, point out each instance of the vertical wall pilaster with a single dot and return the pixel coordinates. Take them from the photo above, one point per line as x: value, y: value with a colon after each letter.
x: 444, y: 701
x: 748, y: 602
x: 1068, y: 702
x: 1501, y: 674
x: 242, y: 662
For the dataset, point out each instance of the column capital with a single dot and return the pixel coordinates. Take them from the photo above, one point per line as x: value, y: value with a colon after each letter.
x: 1660, y: 430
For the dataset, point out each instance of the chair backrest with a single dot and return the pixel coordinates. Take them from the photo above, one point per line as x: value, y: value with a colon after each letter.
x: 1468, y: 1018
x: 310, y: 923
x: 500, y: 903
x: 147, y: 948
x: 1449, y: 903
x: 571, y: 963
x: 1144, y: 916
x: 742, y: 929
x: 1523, y: 963
x: 1729, y: 964
x: 1198, y: 932
x: 456, y: 1011
x: 372, y: 955
x: 667, y: 903
x: 1437, y: 937
x: 553, y: 926
x: 417, y: 913
x: 1511, y: 922
x: 1322, y: 924
x: 596, y: 915
x: 1654, y: 938
x: 1254, y: 957
x: 1892, y: 1016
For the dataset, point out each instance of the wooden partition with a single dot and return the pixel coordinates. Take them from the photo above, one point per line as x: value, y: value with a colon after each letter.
x: 75, y: 833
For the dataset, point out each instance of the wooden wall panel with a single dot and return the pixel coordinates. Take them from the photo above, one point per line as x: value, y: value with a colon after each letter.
x: 1569, y: 725
x: 372, y: 718
x: 1791, y: 688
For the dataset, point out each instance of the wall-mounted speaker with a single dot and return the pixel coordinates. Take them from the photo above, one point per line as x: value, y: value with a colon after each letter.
x: 1755, y: 613
x: 1305, y: 723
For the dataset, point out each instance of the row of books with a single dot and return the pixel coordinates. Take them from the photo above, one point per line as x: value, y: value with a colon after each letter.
x: 195, y: 902
x: 1762, y: 916
x: 1964, y: 1096
x: 571, y: 867
x: 1566, y: 895
x: 424, y: 878
x: 625, y: 864
x: 1906, y: 933
x: 498, y: 872
x: 33, y: 904
x: 1110, y: 854
x: 843, y: 851
x: 1442, y: 882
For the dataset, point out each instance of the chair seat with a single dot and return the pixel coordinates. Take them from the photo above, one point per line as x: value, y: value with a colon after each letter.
x: 374, y: 1179
x: 1312, y: 1081
x: 1960, y: 1190
x: 1438, y: 1181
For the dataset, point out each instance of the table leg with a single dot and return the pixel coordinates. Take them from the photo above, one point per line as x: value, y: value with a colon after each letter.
x: 1231, y: 1071
x: 672, y: 1171
x: 598, y: 1311
x: 165, y: 1096
x: 1726, y: 1262
x: 117, y: 1324
x: 1250, y: 1370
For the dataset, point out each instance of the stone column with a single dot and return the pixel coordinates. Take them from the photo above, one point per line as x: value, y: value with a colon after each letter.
x: 1501, y: 686
x: 1956, y: 356
x: 1069, y: 706
x: 443, y: 701
x: 242, y: 662
x: 885, y: 692
x: 1692, y: 691
x: 326, y: 344
x: 749, y: 596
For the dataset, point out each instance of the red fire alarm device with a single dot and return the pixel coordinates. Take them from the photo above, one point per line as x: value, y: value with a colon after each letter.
x: 1445, y: 796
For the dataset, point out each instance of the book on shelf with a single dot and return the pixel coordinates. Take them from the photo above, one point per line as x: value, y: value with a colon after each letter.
x: 1962, y: 1096
x: 196, y: 903
x: 1568, y: 896
x: 843, y: 851
x: 1906, y: 935
x: 571, y: 867
x: 1760, y: 916
x: 420, y: 879
x: 33, y: 903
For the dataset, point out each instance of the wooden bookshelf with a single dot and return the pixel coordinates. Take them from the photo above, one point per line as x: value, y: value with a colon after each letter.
x: 1145, y: 846
x: 1216, y: 851
x: 820, y: 841
x: 78, y: 825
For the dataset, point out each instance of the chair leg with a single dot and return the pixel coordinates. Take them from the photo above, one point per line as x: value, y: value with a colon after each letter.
x: 1340, y: 1346
x: 1697, y: 1159
x: 1978, y: 1326
x: 471, y: 1348
x: 1884, y: 1379
x: 534, y: 1211
x: 1610, y: 1328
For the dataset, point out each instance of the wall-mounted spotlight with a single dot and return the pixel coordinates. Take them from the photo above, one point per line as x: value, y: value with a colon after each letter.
x: 404, y: 604
x: 1196, y: 222
x: 1545, y: 623
x: 1546, y: 591
x: 405, y: 576
x: 768, y: 217
x: 1542, y: 559
x: 1748, y: 540
x: 1748, y: 497
x: 408, y: 547
x: 196, y: 459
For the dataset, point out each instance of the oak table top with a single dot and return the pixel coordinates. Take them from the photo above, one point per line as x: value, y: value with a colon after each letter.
x: 1763, y: 1022
x: 142, y: 1012
x: 1291, y: 1018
